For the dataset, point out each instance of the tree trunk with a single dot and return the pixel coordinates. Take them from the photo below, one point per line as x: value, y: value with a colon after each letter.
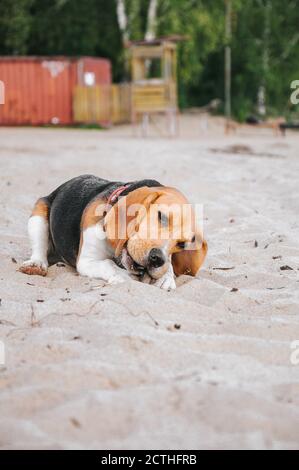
x: 151, y: 20
x: 266, y: 6
x: 228, y: 32
x: 122, y: 19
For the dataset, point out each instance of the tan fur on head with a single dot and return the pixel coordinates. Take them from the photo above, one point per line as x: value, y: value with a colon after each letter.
x: 124, y: 217
x: 133, y: 220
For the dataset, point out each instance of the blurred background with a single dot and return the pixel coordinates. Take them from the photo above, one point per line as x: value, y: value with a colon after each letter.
x: 260, y: 36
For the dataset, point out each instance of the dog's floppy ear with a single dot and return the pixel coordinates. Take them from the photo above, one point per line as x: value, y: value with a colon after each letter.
x: 123, y: 218
x: 189, y: 261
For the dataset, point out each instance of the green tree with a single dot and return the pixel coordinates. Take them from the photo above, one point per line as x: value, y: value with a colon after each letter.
x: 265, y: 41
x: 75, y: 27
x: 15, y: 24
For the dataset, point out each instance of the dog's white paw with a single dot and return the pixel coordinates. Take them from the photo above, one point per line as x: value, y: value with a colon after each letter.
x: 34, y: 267
x: 118, y: 278
x: 166, y: 282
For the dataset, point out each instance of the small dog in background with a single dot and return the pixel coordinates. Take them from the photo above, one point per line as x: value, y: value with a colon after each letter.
x: 111, y: 230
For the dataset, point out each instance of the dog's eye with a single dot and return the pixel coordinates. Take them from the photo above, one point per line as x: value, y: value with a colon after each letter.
x: 163, y: 219
x: 181, y: 245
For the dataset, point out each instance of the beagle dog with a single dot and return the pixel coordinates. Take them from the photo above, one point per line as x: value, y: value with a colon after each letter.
x: 112, y: 231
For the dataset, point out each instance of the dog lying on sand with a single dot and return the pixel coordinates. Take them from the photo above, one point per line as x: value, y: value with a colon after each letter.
x: 112, y: 230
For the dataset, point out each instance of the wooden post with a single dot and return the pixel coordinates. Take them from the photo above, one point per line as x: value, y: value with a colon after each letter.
x: 266, y: 54
x: 228, y: 32
x: 145, y: 124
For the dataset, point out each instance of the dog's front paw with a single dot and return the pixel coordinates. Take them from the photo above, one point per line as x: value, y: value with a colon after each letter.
x: 166, y: 282
x: 118, y: 278
x: 34, y: 267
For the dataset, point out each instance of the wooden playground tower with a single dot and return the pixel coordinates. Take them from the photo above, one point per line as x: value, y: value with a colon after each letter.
x: 154, y: 81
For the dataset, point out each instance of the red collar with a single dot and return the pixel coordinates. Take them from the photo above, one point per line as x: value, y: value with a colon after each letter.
x: 116, y: 194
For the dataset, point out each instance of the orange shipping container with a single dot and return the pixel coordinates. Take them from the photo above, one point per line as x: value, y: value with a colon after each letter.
x: 39, y: 90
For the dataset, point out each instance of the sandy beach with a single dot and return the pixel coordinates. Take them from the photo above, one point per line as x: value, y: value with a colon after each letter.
x: 129, y: 366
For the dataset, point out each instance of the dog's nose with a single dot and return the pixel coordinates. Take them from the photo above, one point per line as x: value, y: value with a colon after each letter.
x: 156, y: 258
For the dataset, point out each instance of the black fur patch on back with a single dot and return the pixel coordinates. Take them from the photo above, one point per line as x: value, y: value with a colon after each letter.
x: 67, y: 204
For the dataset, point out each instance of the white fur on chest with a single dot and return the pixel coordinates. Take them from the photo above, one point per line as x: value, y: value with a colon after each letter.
x: 95, y: 258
